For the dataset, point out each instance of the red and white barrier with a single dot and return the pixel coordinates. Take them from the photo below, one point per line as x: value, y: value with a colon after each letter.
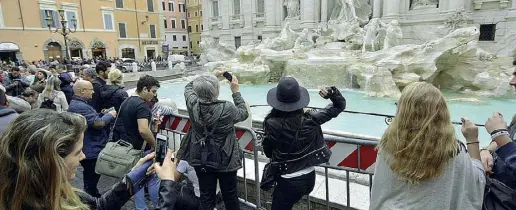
x: 343, y: 155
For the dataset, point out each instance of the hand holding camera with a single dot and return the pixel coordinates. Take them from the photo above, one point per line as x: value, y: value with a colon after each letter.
x: 328, y: 92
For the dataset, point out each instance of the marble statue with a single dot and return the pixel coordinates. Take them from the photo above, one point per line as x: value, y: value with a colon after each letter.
x: 458, y: 19
x: 352, y: 10
x: 304, y: 40
x: 293, y: 9
x: 393, y: 33
x: 371, y: 33
x: 416, y: 4
x: 285, y: 41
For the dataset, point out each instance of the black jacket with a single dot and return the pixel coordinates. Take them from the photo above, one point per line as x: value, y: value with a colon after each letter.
x: 118, y: 196
x: 14, y: 86
x: 98, y: 84
x: 112, y: 96
x: 309, y: 149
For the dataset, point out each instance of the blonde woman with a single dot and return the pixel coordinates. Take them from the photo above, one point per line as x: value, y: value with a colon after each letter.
x: 113, y: 95
x: 40, y: 152
x: 420, y: 163
x: 52, y: 94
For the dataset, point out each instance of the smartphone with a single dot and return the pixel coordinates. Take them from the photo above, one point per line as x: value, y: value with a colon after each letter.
x: 161, y: 148
x: 228, y: 76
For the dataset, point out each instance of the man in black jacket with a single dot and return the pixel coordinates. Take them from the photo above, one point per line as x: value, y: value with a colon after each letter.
x: 99, y: 82
x: 15, y: 83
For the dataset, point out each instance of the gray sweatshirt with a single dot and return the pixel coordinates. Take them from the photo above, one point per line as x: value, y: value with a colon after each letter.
x: 460, y: 187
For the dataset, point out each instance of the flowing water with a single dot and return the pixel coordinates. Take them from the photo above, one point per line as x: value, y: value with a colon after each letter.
x: 478, y: 111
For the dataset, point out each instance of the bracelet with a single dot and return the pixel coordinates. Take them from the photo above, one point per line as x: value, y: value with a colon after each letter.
x: 499, y: 130
x: 499, y: 133
x: 475, y: 142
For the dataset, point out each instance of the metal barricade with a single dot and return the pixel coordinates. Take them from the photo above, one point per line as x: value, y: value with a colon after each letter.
x: 179, y: 125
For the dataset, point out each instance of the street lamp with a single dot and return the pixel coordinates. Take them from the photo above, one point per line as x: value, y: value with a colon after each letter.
x: 65, y: 31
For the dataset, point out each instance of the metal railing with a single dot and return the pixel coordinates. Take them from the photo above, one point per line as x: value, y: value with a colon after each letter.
x: 257, y: 137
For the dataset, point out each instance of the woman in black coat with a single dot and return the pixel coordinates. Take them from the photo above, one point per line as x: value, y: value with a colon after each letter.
x: 294, y: 140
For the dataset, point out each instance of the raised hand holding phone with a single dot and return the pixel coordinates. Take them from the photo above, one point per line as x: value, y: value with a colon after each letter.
x: 161, y: 148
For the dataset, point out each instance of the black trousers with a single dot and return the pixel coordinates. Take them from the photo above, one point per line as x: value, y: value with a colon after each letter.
x: 289, y: 191
x: 90, y: 178
x: 208, y: 188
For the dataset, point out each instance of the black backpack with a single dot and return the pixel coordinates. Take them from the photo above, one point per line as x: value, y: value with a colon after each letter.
x: 204, y: 153
x: 48, y: 104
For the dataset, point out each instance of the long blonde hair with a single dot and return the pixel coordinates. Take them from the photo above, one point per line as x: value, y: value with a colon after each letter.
x: 53, y: 84
x: 32, y: 161
x: 421, y: 139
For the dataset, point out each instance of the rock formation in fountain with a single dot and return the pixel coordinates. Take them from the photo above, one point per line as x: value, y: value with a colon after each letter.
x: 452, y: 62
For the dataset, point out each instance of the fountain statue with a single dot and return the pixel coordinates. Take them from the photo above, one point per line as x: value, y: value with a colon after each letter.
x: 393, y: 34
x: 293, y: 9
x: 417, y: 4
x: 335, y: 54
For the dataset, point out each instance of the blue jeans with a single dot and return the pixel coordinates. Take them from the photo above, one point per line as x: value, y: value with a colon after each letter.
x: 153, y: 187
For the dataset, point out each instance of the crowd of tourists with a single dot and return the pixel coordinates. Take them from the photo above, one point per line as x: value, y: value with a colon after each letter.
x: 54, y: 122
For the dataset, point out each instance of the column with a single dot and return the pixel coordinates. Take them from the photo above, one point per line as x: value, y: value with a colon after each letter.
x: 324, y: 11
x: 206, y: 17
x: 309, y: 13
x: 377, y: 8
x: 513, y: 5
x: 224, y: 11
x: 270, y: 13
x: 512, y: 10
x: 391, y: 9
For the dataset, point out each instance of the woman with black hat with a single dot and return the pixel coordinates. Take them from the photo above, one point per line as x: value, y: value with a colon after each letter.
x: 39, y: 81
x: 294, y: 140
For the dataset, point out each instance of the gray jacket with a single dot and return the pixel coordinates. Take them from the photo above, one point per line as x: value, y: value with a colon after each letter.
x: 19, y: 104
x: 225, y: 136
x: 6, y: 116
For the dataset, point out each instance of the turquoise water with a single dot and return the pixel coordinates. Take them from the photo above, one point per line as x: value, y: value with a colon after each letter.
x: 357, y: 101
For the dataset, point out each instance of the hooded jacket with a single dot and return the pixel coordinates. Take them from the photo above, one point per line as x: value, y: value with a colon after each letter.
x: 225, y: 114
x: 112, y: 96
x: 6, y: 116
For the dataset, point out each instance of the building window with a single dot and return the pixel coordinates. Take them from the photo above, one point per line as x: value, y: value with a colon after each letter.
x: 52, y: 14
x: 173, y: 23
x: 238, y: 41
x: 189, y: 29
x: 236, y: 7
x: 184, y: 38
x: 165, y: 23
x: 195, y: 14
x: 183, y: 24
x: 108, y: 21
x: 152, y: 29
x: 260, y: 38
x: 122, y: 30
x: 202, y: 27
x: 185, y: 47
x: 150, y: 5
x: 200, y: 13
x: 128, y: 53
x: 188, y: 14
x: 182, y: 8
x: 260, y: 6
x: 191, y: 44
x: 163, y: 5
x: 174, y: 38
x: 197, y: 43
x: 171, y: 6
x: 196, y: 28
x: 215, y: 8
x: 487, y: 32
x: 119, y: 3
x: 69, y: 16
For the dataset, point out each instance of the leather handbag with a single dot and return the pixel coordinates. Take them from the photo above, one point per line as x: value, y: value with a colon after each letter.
x: 119, y: 157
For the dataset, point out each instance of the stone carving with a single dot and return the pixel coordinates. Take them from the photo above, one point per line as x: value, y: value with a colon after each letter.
x: 304, y: 40
x: 212, y: 50
x: 285, y: 41
x: 457, y: 20
x: 420, y: 4
x: 293, y: 9
x: 352, y: 9
x: 97, y: 44
x: 371, y: 33
x: 393, y: 33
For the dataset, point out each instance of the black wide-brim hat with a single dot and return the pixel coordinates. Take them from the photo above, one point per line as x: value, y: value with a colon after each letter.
x: 288, y: 96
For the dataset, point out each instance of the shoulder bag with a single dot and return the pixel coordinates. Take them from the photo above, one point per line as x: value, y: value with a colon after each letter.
x: 119, y: 157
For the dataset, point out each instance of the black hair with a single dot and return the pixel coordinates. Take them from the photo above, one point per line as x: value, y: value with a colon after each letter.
x: 102, y: 66
x: 3, y: 98
x: 15, y: 69
x: 29, y: 92
x: 146, y: 82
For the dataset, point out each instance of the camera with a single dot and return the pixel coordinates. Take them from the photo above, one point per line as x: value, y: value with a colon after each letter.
x: 331, y: 91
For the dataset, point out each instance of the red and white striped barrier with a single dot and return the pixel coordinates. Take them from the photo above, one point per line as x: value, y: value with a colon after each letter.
x: 343, y: 154
x: 181, y: 124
